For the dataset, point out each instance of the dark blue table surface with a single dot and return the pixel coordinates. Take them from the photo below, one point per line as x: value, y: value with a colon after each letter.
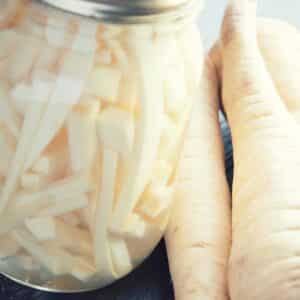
x: 151, y: 281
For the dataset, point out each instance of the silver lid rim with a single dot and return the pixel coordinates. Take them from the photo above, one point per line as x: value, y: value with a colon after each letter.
x: 130, y: 14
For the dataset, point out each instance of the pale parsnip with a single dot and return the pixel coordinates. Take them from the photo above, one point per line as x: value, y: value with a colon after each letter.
x: 201, y: 200
x: 261, y: 98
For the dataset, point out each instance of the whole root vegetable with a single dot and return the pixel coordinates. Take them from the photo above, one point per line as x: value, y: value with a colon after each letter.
x: 260, y: 70
x: 198, y: 238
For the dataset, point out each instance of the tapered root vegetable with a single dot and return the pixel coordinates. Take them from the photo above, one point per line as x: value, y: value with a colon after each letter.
x: 199, y: 229
x: 276, y: 35
x: 261, y: 98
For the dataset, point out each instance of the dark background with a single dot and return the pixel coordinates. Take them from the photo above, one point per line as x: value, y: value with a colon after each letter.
x: 151, y: 281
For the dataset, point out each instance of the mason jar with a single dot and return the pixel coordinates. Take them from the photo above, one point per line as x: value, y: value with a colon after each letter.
x: 95, y: 98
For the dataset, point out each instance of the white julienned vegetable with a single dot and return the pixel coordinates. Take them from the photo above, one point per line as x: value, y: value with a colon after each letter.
x: 9, y: 39
x: 33, y: 182
x: 7, y: 115
x: 104, y: 208
x: 7, y: 149
x: 31, y: 120
x: 52, y: 164
x: 110, y: 78
x: 22, y: 61
x: 148, y: 132
x: 82, y: 140
x: 66, y: 94
x: 20, y: 96
x: 116, y: 131
x: 91, y: 122
x: 42, y: 228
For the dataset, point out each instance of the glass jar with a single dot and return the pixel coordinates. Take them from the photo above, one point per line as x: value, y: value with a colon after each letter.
x: 95, y: 97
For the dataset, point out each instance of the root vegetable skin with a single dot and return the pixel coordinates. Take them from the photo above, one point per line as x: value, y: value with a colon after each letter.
x: 263, y: 114
x: 201, y: 201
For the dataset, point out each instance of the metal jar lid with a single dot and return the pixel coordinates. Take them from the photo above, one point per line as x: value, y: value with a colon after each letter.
x: 129, y: 11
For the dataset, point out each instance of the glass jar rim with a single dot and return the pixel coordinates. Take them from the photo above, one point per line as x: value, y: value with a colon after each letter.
x: 130, y: 12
